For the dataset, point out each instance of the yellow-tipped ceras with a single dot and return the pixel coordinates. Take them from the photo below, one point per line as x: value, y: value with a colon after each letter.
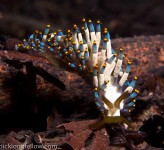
x: 90, y: 52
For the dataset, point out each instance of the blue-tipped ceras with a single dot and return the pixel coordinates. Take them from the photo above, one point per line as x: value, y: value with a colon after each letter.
x: 89, y: 51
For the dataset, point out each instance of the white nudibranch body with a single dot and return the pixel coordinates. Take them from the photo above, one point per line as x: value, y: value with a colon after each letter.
x: 89, y: 51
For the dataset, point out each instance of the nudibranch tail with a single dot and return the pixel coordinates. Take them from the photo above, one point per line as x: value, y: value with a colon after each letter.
x: 89, y: 52
x: 110, y: 120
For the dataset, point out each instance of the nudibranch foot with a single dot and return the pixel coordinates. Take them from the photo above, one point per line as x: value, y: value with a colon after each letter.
x: 110, y: 120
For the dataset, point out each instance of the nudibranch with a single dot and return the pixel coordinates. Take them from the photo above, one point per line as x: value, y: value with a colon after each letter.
x: 89, y: 51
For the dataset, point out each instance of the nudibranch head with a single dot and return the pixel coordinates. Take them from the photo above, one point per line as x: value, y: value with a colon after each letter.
x: 89, y: 51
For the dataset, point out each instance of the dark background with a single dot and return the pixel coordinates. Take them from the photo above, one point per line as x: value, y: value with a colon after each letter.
x: 19, y: 18
x: 124, y: 18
